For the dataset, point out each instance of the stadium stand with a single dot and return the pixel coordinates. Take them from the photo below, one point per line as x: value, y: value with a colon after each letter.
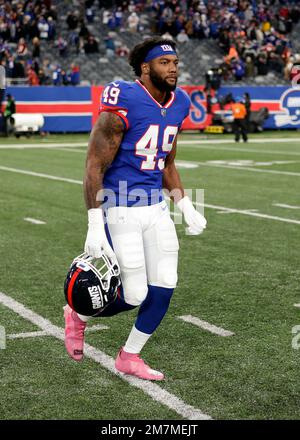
x: 87, y: 42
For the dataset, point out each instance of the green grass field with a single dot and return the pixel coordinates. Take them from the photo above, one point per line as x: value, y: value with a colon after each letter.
x: 241, y: 275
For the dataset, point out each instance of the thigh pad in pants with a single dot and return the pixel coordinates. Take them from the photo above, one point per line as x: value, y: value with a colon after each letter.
x: 161, y: 253
x: 128, y: 246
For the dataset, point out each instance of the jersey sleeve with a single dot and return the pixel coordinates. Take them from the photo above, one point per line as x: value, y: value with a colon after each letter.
x: 187, y: 104
x: 114, y: 99
x: 185, y: 101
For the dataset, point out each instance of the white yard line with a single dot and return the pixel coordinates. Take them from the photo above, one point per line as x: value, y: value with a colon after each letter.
x: 201, y: 145
x: 153, y: 390
x: 297, y: 305
x: 231, y: 141
x: 69, y: 150
x: 38, y: 334
x: 250, y: 213
x: 240, y: 212
x: 186, y: 164
x: 192, y: 164
x: 283, y: 205
x: 34, y: 221
x: 254, y: 169
x: 205, y: 325
x: 96, y: 327
x: 45, y: 176
x: 21, y: 146
x: 218, y: 208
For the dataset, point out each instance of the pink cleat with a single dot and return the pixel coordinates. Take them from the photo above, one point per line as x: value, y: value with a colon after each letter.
x: 132, y: 364
x: 74, y: 333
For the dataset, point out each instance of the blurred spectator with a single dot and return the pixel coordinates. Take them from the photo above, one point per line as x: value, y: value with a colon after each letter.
x: 43, y: 27
x: 262, y: 65
x: 122, y: 51
x: 106, y: 16
x: 51, y: 10
x: 110, y: 45
x: 62, y: 46
x: 238, y: 69
x: 182, y: 37
x: 36, y: 50
x: 91, y: 45
x: 74, y: 40
x: 56, y: 76
x: 43, y: 79
x: 83, y: 31
x: 232, y: 54
x: 288, y: 68
x: 89, y: 13
x: 224, y: 40
x: 51, y: 29
x: 167, y: 36
x: 118, y: 17
x: 112, y: 23
x: 131, y: 6
x: 213, y: 79
x: 32, y: 77
x: 22, y: 48
x: 72, y: 20
x: 75, y: 75
x: 254, y: 35
x: 249, y: 67
x: 275, y: 62
x: 133, y: 22
x: 18, y: 71
x: 64, y: 78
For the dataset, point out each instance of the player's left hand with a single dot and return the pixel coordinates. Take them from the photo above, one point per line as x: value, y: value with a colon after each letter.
x: 195, y: 221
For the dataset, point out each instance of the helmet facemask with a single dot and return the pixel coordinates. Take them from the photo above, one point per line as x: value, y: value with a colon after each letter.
x: 92, y: 284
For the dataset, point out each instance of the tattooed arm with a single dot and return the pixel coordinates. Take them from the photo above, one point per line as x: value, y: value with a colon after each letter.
x: 105, y: 140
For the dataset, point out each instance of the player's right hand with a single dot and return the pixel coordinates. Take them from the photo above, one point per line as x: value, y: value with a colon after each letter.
x: 96, y: 242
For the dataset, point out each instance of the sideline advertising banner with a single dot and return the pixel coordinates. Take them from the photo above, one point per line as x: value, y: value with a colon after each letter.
x: 75, y: 109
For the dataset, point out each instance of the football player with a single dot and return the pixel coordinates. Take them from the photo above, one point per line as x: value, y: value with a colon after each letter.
x: 130, y: 160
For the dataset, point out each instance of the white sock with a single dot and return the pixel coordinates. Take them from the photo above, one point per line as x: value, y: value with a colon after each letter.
x: 83, y: 317
x: 136, y: 341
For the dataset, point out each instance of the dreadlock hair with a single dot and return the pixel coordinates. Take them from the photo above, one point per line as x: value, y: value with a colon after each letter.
x: 139, y: 52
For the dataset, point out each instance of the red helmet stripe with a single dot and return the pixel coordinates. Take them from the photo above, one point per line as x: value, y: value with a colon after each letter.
x: 70, y: 287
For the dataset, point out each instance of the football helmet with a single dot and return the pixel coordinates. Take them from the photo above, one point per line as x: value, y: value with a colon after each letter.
x: 290, y: 105
x: 91, y: 284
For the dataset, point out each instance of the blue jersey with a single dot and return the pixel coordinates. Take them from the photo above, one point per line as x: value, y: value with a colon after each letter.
x: 135, y: 175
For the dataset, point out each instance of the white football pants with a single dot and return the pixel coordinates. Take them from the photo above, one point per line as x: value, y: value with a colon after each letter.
x: 145, y: 242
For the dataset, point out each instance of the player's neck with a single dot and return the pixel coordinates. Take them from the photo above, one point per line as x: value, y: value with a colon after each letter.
x: 157, y: 94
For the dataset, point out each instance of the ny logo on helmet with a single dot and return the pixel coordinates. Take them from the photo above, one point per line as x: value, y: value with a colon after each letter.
x: 290, y: 107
